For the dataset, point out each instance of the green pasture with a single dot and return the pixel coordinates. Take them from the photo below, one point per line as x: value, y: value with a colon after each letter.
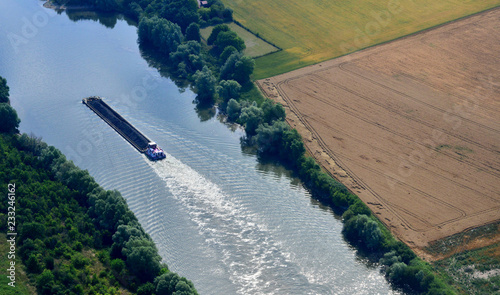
x: 255, y: 46
x: 317, y: 30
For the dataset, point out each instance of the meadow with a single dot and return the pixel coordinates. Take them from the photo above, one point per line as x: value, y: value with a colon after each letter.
x: 313, y: 31
x: 255, y: 46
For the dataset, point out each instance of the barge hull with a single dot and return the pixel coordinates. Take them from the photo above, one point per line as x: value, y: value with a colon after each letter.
x: 117, y: 122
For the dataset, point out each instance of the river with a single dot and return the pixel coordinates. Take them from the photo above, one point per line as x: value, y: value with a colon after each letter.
x: 219, y: 217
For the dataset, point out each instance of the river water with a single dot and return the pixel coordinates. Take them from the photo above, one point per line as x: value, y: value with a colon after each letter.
x: 230, y: 224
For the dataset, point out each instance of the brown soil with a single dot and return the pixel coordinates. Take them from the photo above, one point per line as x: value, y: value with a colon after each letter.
x: 412, y: 126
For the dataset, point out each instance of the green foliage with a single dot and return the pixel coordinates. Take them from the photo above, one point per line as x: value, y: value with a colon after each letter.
x: 233, y: 110
x: 226, y: 53
x: 363, y: 231
x: 205, y: 85
x: 142, y: 258
x: 272, y: 111
x: 215, y: 33
x: 4, y: 90
x: 146, y: 289
x: 269, y: 137
x: 228, y: 89
x: 33, y: 265
x: 62, y: 213
x: 292, y: 148
x: 252, y: 117
x: 45, y: 282
x: 181, y: 12
x: 117, y: 265
x: 193, y: 32
x: 187, y: 58
x: 237, y: 67
x: 9, y: 121
x: 172, y: 284
x: 106, y: 5
x: 163, y: 34
x: 229, y: 38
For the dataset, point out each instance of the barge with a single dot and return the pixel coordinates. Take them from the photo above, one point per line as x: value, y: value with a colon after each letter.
x: 124, y: 128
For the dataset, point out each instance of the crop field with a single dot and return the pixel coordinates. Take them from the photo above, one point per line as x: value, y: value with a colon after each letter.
x: 255, y: 46
x: 411, y: 126
x: 318, y: 30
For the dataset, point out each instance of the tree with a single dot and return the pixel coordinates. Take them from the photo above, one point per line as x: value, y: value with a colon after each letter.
x: 251, y: 116
x: 228, y: 89
x: 205, y: 84
x: 4, y: 90
x: 292, y: 147
x: 272, y: 111
x: 45, y: 281
x: 181, y: 12
x: 215, y: 32
x: 193, y: 32
x: 143, y: 259
x: 146, y: 289
x: 226, y: 53
x: 243, y: 69
x: 117, y: 265
x: 229, y: 38
x: 32, y: 264
x: 237, y: 67
x: 233, y: 110
x: 161, y: 33
x: 9, y: 121
x: 188, y: 54
x: 171, y: 283
x: 363, y: 231
x: 269, y: 136
x: 107, y: 5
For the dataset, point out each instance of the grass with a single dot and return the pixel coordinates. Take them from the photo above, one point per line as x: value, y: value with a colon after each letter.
x: 255, y: 46
x: 317, y: 30
x: 22, y: 282
x: 473, y: 272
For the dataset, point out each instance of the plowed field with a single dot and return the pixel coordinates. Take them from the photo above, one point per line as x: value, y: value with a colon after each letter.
x: 412, y: 126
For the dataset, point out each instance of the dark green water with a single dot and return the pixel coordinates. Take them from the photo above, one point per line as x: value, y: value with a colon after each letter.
x: 228, y: 223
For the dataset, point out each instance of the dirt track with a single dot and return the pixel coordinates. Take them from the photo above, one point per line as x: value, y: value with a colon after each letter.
x: 411, y: 126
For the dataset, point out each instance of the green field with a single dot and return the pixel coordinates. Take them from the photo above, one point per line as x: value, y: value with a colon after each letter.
x: 317, y: 30
x: 255, y: 46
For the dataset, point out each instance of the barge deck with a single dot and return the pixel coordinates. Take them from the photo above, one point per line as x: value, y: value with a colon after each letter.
x: 117, y: 122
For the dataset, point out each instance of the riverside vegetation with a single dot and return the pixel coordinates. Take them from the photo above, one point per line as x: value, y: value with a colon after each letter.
x: 221, y: 74
x: 74, y: 237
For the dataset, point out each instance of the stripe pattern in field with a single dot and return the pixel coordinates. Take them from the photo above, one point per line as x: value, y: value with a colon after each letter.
x: 412, y: 126
x: 318, y: 30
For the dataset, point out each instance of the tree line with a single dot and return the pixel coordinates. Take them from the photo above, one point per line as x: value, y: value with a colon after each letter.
x: 74, y: 237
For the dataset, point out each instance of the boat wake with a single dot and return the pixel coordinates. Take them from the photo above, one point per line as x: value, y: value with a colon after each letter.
x: 234, y: 235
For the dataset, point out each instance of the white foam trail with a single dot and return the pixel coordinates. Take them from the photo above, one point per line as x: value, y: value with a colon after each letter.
x: 235, y: 235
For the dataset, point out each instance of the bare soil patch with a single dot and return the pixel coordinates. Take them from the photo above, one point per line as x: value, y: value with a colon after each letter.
x: 412, y: 126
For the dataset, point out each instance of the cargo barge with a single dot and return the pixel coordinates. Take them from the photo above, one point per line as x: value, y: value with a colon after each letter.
x: 124, y: 128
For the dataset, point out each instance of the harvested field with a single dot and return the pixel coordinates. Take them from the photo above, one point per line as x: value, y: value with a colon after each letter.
x: 412, y: 126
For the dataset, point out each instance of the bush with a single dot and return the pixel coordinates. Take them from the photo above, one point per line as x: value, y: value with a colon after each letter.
x: 117, y: 265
